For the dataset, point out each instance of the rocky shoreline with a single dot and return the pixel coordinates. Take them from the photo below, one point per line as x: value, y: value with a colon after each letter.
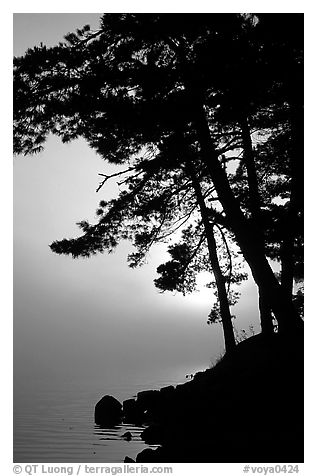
x: 247, y: 408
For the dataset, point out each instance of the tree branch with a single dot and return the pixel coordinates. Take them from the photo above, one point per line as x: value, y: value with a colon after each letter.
x: 228, y: 253
x: 107, y: 177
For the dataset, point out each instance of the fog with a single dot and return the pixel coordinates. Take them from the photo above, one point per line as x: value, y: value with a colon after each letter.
x: 88, y: 318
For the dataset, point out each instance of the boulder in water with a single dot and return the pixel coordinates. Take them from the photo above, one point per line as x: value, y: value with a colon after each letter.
x: 132, y: 411
x: 127, y: 436
x: 108, y: 411
x: 146, y: 456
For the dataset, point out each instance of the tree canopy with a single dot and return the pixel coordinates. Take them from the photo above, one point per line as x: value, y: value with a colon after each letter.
x: 177, y: 100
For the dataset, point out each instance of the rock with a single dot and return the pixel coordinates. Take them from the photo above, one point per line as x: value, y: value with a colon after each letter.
x: 167, y: 398
x: 127, y: 436
x: 147, y: 397
x: 148, y: 402
x: 146, y: 456
x: 108, y: 411
x: 129, y: 406
x: 127, y: 459
x: 201, y: 377
x: 167, y: 391
x: 153, y: 435
x: 132, y: 412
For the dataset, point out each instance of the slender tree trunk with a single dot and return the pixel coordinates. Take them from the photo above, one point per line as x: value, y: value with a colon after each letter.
x: 255, y: 209
x: 245, y: 233
x: 296, y: 202
x: 254, y: 195
x: 265, y: 315
x: 226, y: 318
x: 287, y: 260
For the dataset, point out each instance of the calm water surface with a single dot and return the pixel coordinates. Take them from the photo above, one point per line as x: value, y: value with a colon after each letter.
x: 54, y: 422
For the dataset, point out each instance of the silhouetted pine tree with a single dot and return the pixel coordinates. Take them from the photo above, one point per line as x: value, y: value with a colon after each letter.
x: 141, y: 79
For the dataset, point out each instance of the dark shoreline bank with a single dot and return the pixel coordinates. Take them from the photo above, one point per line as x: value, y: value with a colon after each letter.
x: 247, y: 408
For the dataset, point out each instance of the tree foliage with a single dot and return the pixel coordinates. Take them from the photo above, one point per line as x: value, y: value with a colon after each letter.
x: 153, y: 92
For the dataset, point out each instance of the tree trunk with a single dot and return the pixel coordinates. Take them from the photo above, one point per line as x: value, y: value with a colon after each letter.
x: 296, y: 202
x: 226, y: 318
x: 245, y: 233
x: 265, y: 315
x: 287, y: 261
x: 255, y: 209
x: 254, y: 195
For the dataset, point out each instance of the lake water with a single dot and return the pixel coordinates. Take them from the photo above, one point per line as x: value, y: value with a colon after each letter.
x: 54, y: 421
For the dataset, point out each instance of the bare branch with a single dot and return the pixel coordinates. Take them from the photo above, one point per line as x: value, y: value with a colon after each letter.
x: 184, y: 219
x: 194, y: 253
x: 234, y: 143
x: 107, y: 177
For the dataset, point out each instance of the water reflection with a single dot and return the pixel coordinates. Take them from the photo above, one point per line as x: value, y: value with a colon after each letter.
x: 125, y: 438
x: 54, y: 422
x: 117, y: 432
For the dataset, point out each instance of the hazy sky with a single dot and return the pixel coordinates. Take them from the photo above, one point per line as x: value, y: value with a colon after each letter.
x: 86, y: 317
